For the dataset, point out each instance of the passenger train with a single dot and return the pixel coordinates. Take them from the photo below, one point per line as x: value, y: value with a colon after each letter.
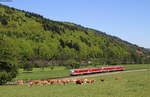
x: 96, y: 70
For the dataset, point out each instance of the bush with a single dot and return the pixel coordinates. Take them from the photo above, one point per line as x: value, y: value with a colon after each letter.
x: 28, y: 67
x: 4, y: 22
x: 8, y: 72
x: 4, y: 77
x: 8, y: 60
x: 72, y: 64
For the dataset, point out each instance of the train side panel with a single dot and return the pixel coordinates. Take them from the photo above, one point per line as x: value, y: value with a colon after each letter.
x: 96, y: 70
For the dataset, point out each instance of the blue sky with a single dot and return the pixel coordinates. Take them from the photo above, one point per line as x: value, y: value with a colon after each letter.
x: 127, y: 19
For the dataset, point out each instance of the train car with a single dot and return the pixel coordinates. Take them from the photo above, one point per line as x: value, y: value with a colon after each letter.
x: 96, y: 70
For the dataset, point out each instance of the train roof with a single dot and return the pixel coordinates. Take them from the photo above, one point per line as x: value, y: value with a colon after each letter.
x: 96, y: 68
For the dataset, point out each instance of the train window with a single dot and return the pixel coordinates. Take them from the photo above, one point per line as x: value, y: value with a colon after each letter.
x: 76, y: 71
x: 83, y: 70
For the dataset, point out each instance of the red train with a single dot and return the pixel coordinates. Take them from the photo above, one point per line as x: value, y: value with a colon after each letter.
x: 96, y: 70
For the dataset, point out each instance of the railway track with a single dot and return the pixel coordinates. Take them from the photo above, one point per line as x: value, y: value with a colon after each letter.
x: 97, y: 74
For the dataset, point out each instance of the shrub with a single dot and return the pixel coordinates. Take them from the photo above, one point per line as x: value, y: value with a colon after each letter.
x: 72, y: 64
x: 8, y: 72
x: 8, y: 60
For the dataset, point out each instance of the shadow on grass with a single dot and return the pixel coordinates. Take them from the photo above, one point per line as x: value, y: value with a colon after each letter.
x: 27, y: 72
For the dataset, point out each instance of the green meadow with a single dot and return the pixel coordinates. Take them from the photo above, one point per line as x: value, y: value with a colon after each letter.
x: 39, y: 73
x: 131, y: 84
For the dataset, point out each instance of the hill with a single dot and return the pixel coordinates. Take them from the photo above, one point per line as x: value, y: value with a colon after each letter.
x: 36, y: 39
x: 148, y: 49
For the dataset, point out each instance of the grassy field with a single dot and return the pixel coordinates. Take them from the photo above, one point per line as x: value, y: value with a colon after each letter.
x: 38, y: 73
x: 131, y: 84
x: 137, y: 66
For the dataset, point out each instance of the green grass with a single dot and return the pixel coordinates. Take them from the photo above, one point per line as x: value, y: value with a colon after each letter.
x: 38, y: 73
x: 137, y: 66
x: 132, y: 84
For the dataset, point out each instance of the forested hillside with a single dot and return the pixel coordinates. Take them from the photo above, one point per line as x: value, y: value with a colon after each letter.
x: 30, y: 39
x: 148, y: 49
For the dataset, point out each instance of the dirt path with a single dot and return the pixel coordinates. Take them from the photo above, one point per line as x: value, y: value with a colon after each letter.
x: 100, y: 74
